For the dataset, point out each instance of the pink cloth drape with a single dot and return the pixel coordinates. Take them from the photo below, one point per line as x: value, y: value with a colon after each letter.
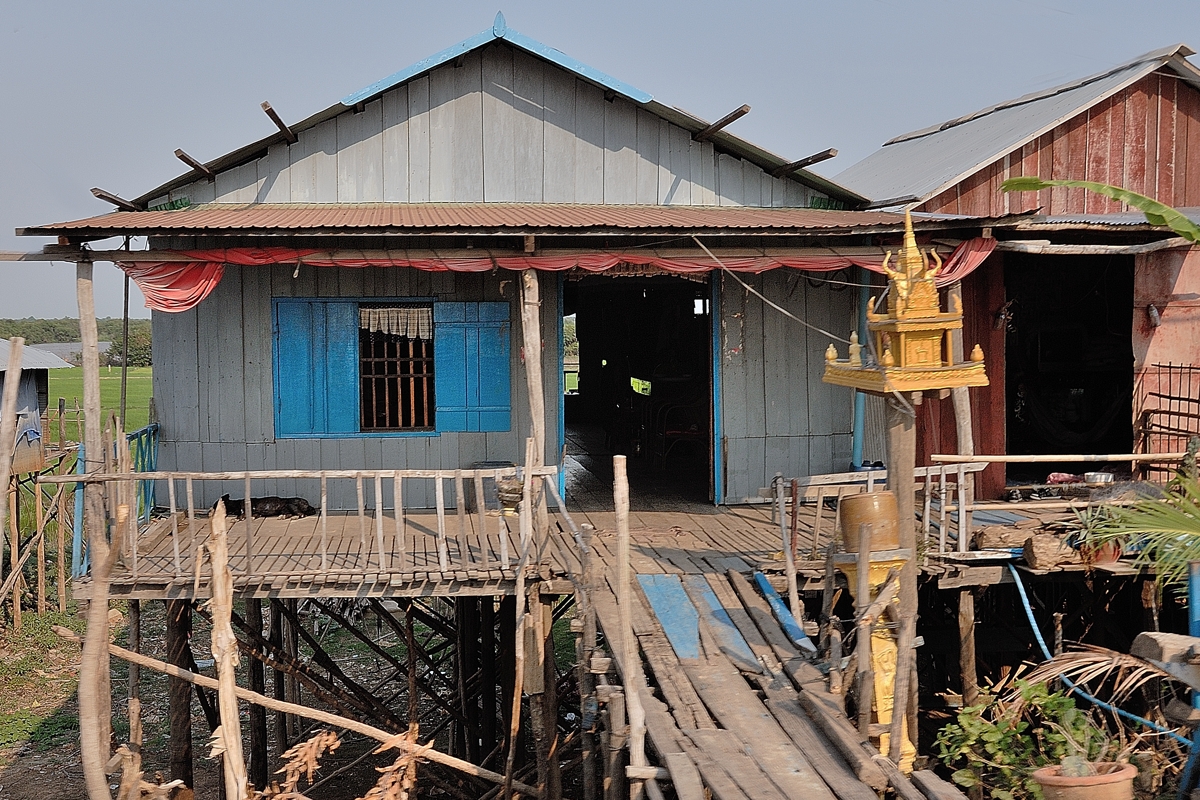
x: 175, y: 286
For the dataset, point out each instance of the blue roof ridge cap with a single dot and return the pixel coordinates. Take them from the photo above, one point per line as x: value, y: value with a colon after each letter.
x: 499, y: 30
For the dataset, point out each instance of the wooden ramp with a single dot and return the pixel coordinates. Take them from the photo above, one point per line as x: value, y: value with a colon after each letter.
x: 731, y: 703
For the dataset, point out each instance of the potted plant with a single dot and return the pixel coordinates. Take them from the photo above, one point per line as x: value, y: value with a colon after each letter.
x: 1005, y: 745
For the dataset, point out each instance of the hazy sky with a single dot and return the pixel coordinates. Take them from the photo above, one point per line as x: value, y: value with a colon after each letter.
x: 101, y: 93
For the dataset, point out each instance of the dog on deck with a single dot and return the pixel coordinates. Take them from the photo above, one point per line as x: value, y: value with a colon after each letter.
x: 284, y: 507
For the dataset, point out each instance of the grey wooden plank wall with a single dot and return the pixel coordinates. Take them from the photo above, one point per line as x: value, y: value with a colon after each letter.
x: 777, y: 414
x: 501, y: 127
x: 214, y: 387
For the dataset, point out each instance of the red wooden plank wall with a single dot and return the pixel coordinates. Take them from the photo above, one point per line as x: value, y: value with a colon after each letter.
x: 1142, y: 138
x: 983, y: 297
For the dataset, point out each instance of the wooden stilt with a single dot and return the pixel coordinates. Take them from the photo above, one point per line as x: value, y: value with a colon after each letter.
x: 615, y: 736
x: 410, y: 646
x: 95, y: 699
x: 291, y: 646
x: 865, y: 679
x: 135, y: 684
x: 966, y: 646
x: 544, y: 705
x: 179, y: 692
x: 488, y: 731
x: 585, y: 649
x: 278, y: 692
x: 965, y: 436
x: 901, y: 426
x: 506, y: 624
x: 14, y: 548
x: 259, y: 771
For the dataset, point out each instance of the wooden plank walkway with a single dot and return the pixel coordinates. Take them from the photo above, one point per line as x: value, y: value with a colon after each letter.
x: 712, y: 652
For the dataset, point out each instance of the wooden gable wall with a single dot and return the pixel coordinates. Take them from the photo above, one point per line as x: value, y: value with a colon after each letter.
x: 1142, y: 138
x: 502, y: 126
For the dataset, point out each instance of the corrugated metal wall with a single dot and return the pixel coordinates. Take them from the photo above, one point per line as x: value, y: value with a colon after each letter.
x: 777, y: 414
x: 1142, y: 138
x: 502, y: 127
x: 213, y: 382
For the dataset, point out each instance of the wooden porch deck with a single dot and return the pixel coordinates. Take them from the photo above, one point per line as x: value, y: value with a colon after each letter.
x: 481, y: 553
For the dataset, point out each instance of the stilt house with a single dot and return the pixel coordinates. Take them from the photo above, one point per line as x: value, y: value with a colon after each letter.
x: 1092, y: 332
x: 345, y: 292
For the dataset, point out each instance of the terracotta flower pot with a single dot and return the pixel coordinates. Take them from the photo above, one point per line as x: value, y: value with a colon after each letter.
x: 1115, y: 785
x: 1106, y: 553
x: 876, y: 509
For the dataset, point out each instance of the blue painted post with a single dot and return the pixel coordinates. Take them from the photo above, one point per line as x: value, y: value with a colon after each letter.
x: 78, y: 557
x: 1194, y: 611
x: 860, y: 399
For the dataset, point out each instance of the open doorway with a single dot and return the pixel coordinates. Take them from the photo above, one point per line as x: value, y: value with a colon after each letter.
x: 638, y: 382
x: 1069, y: 357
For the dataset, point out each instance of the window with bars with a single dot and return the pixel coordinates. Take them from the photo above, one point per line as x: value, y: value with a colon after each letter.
x: 352, y: 367
x: 396, y: 367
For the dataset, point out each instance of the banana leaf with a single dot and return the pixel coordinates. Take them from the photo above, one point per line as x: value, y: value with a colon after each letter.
x: 1156, y: 213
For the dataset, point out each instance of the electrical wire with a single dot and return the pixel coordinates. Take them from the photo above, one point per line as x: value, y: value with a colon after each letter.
x: 760, y: 296
x: 1037, y: 634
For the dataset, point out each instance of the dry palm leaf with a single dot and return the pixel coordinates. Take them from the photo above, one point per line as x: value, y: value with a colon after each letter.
x: 1088, y: 663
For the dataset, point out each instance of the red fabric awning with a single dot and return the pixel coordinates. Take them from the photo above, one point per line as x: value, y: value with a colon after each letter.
x: 175, y: 286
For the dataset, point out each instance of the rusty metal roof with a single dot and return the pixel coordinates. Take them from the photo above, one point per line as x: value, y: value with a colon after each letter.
x: 462, y: 218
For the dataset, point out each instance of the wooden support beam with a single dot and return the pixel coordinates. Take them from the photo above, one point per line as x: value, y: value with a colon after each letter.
x: 179, y: 692
x: 902, y: 449
x: 119, y: 202
x: 732, y: 116
x: 275, y: 639
x: 203, y: 169
x: 279, y: 123
x: 807, y: 161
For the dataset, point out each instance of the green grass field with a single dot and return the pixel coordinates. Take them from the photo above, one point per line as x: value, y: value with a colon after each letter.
x: 68, y: 383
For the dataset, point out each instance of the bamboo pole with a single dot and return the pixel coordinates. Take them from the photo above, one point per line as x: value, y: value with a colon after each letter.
x: 633, y: 700
x: 8, y: 438
x: 14, y: 549
x: 1052, y: 458
x: 789, y: 553
x: 314, y: 714
x: 224, y: 649
x: 40, y: 521
x: 531, y: 333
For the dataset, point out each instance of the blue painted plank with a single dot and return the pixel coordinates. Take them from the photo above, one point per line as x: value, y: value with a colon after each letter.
x: 723, y: 627
x: 786, y: 620
x: 472, y: 382
x: 675, y: 613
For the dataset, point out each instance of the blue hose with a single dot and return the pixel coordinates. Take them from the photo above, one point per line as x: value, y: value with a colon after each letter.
x: 1037, y: 633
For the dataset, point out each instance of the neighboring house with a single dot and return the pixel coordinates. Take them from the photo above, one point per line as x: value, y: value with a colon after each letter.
x: 346, y: 292
x: 33, y: 398
x: 1074, y: 336
x: 70, y: 351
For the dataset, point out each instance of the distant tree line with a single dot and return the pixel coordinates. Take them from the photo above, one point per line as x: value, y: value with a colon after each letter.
x: 66, y: 329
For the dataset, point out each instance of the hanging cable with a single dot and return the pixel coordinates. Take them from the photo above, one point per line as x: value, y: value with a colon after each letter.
x: 1037, y: 634
x: 760, y: 296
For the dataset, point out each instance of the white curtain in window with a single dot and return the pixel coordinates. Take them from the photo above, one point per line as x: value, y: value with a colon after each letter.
x: 411, y: 322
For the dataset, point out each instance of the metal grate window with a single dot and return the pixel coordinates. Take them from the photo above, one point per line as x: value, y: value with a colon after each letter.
x: 396, y: 367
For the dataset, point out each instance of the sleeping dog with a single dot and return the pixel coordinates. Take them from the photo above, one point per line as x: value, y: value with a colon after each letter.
x: 286, y: 507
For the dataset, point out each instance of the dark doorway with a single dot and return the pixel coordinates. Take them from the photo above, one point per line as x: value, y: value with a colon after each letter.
x: 1069, y: 357
x: 642, y: 388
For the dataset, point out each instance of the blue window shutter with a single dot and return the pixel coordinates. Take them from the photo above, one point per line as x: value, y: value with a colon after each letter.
x: 316, y: 367
x: 341, y: 368
x: 472, y: 383
x: 295, y: 390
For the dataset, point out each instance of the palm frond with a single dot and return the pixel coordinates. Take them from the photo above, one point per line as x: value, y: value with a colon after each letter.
x: 1167, y: 529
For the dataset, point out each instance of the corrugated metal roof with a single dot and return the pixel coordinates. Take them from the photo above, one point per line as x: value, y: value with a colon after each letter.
x: 31, y: 358
x: 500, y: 31
x: 923, y: 163
x: 409, y: 218
x: 1120, y: 219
